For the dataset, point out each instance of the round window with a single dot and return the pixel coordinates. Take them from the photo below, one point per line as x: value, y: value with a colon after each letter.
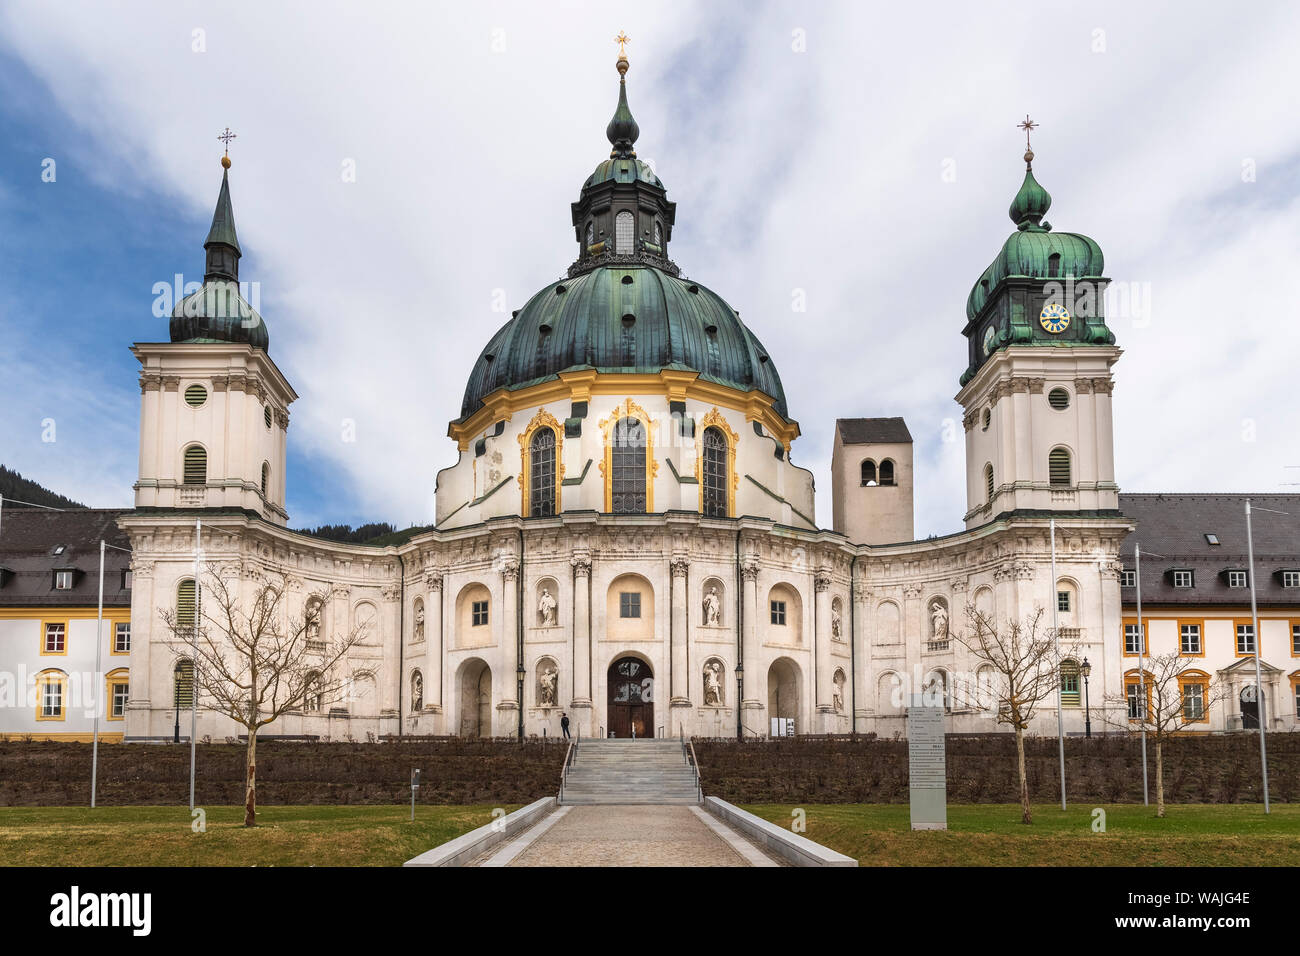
x: 196, y: 395
x: 1058, y: 398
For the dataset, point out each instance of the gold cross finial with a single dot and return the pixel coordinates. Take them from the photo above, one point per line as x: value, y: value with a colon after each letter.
x: 1028, y: 126
x: 622, y: 40
x: 225, y: 137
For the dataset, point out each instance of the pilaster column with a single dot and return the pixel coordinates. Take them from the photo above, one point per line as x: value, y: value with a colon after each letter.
x: 389, y: 619
x: 581, y: 562
x: 681, y: 692
x: 862, y: 692
x: 433, y: 650
x: 510, y: 634
x: 822, y: 586
x: 749, y: 639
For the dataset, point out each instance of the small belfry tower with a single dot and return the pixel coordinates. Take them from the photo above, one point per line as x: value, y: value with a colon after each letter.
x: 1037, y: 392
x: 214, y: 408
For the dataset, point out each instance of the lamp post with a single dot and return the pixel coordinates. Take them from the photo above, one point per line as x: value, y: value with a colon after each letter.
x: 1085, y: 669
x: 176, y: 699
x: 520, y: 674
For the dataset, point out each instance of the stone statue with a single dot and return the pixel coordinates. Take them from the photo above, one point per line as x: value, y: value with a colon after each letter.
x: 713, y: 684
x: 546, y: 686
x: 939, y: 621
x: 419, y: 621
x: 836, y: 623
x: 712, y: 607
x: 417, y: 692
x: 546, y: 608
x: 837, y: 696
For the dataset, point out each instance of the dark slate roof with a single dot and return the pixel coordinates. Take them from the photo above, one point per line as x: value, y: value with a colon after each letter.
x: 1172, y: 530
x: 864, y: 431
x: 28, y: 540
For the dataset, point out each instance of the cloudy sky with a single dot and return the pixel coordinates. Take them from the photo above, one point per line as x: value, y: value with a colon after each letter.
x: 859, y: 157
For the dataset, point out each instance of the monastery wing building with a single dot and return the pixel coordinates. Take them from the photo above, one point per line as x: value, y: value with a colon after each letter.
x: 625, y: 536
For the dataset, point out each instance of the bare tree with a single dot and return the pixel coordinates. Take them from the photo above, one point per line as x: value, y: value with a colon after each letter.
x: 256, y: 661
x: 1177, y: 698
x: 1025, y: 658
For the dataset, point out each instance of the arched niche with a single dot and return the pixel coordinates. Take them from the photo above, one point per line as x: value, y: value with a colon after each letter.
x: 784, y: 616
x: 546, y: 603
x: 630, y: 609
x: 785, y: 691
x: 889, y: 623
x: 474, y: 612
x: 546, y: 683
x: 474, y: 685
x: 714, y: 682
x: 713, y: 602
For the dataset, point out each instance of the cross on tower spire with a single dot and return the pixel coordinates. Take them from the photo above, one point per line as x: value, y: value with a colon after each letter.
x: 1028, y: 126
x: 225, y: 137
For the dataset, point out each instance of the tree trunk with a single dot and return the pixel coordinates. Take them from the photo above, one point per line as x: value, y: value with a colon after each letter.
x: 1026, y: 815
x: 250, y: 781
x: 1160, y: 778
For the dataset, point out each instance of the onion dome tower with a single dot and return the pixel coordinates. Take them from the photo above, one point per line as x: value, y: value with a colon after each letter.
x: 1038, y: 382
x: 218, y: 311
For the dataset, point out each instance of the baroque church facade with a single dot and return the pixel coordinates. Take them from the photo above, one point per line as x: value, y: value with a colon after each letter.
x: 624, y: 537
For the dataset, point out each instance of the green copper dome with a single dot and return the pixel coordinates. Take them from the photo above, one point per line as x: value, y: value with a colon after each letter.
x: 623, y: 171
x: 629, y: 319
x: 218, y: 311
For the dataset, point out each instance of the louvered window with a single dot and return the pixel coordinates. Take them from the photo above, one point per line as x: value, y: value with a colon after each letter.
x: 196, y: 465
x: 185, y: 603
x: 266, y: 477
x: 183, y: 684
x: 1058, y: 466
x: 988, y: 483
x: 541, y: 465
x: 1058, y: 398
x: 1069, y: 683
x: 196, y: 395
x: 715, y: 473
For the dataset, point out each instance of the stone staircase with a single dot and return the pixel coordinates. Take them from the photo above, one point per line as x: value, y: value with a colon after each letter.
x: 629, y: 772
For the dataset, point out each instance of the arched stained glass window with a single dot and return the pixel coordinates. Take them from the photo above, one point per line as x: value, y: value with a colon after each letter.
x: 624, y: 232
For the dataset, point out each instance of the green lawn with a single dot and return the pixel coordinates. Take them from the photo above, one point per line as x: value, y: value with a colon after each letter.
x: 992, y: 835
x: 285, y: 836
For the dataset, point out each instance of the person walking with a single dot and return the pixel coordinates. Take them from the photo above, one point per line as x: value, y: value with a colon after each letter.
x: 564, y: 724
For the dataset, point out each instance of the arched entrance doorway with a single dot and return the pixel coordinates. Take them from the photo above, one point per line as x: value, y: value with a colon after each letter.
x: 1249, y: 707
x: 631, y: 698
x: 475, y: 699
x: 783, y: 698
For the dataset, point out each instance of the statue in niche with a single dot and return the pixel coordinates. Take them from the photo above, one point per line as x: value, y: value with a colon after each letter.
x: 712, y: 608
x: 546, y: 681
x: 836, y: 623
x: 837, y: 696
x: 419, y: 621
x: 938, y: 621
x: 417, y: 692
x: 713, y: 684
x: 546, y: 608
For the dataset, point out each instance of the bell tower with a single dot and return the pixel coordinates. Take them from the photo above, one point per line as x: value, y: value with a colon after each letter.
x: 214, y: 408
x: 1037, y: 391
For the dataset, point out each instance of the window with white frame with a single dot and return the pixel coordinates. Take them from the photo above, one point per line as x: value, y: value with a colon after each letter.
x: 56, y: 637
x: 1194, y: 701
x: 1189, y: 638
x: 1063, y: 601
x: 52, y: 698
x: 1127, y: 578
x: 63, y: 580
x: 1236, y: 579
x: 1132, y: 639
x: 122, y: 637
x: 1133, y: 691
x: 1245, y: 638
x: 1182, y: 579
x: 1291, y: 579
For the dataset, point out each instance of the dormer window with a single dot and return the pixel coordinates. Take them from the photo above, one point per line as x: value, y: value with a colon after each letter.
x: 1127, y: 578
x: 63, y: 579
x: 1236, y: 579
x: 1181, y: 578
x: 1290, y: 579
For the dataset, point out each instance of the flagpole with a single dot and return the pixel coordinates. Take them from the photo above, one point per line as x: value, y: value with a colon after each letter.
x: 194, y: 657
x: 102, y: 684
x: 1060, y: 690
x: 1142, y: 670
x: 1259, y: 684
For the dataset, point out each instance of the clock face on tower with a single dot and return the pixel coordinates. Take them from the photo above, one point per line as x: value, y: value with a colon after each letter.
x: 1055, y: 318
x: 988, y: 340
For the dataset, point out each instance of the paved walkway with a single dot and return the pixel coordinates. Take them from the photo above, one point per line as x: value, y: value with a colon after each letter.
x: 629, y: 836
